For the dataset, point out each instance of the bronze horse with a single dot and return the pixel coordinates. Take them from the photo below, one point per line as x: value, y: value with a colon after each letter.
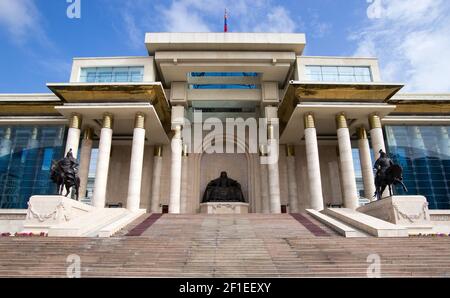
x: 392, y: 176
x: 64, y: 174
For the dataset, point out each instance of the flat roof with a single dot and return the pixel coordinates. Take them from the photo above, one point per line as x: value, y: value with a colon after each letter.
x: 420, y: 98
x: 115, y: 93
x: 28, y: 97
x: 229, y: 41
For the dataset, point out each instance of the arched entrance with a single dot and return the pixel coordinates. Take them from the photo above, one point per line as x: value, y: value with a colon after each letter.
x: 240, y: 167
x: 234, y: 164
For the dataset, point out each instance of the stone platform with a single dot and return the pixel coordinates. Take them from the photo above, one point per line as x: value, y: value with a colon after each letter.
x: 59, y: 216
x: 46, y: 211
x: 224, y: 208
x: 410, y: 212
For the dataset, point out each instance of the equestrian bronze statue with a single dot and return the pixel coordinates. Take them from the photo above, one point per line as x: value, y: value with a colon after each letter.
x: 387, y: 174
x: 64, y: 173
x: 223, y: 189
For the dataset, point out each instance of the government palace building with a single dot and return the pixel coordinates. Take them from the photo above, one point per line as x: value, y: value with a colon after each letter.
x: 224, y: 123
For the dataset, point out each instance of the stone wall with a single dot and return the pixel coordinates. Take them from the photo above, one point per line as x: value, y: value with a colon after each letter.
x: 11, y: 220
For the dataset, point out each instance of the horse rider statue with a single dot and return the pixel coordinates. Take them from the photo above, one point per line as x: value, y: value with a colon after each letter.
x: 65, y: 174
x: 387, y: 174
x: 382, y: 164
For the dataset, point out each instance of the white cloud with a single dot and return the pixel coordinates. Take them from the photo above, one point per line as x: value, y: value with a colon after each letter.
x: 21, y: 19
x: 204, y: 16
x: 276, y: 20
x: 412, y: 40
x: 132, y: 30
x: 185, y: 16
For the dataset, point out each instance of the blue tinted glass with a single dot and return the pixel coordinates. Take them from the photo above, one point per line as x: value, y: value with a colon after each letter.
x: 344, y: 74
x: 424, y: 154
x: 223, y: 74
x: 223, y: 80
x: 26, y: 153
x: 112, y: 74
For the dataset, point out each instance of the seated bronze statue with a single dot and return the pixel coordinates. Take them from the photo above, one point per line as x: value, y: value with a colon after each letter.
x: 223, y: 189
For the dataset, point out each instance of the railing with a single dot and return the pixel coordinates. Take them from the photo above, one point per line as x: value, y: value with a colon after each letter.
x: 114, y: 78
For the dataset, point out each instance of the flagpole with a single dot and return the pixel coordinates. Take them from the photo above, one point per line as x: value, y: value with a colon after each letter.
x: 225, y: 25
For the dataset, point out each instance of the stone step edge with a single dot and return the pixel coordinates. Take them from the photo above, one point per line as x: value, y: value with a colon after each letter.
x: 86, y: 224
x: 339, y: 227
x: 369, y: 224
x: 114, y: 227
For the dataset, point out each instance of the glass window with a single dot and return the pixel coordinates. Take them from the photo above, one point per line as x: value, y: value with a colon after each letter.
x: 338, y: 73
x: 112, y: 74
x: 424, y: 154
x: 224, y: 80
x: 26, y: 153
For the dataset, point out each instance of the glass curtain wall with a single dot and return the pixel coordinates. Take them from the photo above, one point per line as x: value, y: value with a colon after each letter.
x: 424, y: 154
x: 26, y: 154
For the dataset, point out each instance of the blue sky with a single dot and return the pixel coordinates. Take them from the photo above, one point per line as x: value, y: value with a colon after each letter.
x: 410, y: 37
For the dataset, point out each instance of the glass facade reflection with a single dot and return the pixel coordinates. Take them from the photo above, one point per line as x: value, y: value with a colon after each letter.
x: 424, y: 154
x: 26, y: 154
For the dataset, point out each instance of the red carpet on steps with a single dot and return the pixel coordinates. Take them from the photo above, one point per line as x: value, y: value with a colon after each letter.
x: 312, y: 227
x: 143, y: 226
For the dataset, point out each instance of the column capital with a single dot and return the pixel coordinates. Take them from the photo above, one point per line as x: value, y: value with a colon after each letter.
x: 341, y: 121
x: 374, y: 121
x: 88, y: 133
x: 158, y: 151
x: 75, y: 121
x: 139, y: 120
x: 362, y: 133
x: 290, y: 150
x: 309, y: 120
x: 108, y: 120
x: 185, y: 150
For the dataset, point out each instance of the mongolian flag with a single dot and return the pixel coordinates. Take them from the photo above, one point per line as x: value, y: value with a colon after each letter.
x: 225, y: 25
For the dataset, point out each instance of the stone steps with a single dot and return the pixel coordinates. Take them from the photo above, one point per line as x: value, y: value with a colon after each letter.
x: 252, y: 245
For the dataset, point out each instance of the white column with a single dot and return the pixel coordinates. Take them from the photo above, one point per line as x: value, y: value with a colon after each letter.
x: 265, y: 204
x: 33, y: 143
x: 292, y: 179
x: 73, y: 135
x: 104, y: 151
x: 184, y: 180
x: 5, y: 145
x: 377, y: 139
x: 376, y: 135
x: 348, y: 179
x: 136, y: 163
x: 366, y: 164
x: 85, y: 160
x: 273, y: 172
x: 156, y: 182
x: 175, y: 173
x: 313, y: 164
x: 444, y: 144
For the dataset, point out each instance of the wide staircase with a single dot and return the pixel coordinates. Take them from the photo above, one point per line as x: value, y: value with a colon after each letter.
x: 252, y: 245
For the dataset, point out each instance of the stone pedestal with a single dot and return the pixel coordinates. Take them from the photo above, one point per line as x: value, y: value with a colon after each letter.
x: 46, y: 211
x: 408, y: 211
x: 224, y: 208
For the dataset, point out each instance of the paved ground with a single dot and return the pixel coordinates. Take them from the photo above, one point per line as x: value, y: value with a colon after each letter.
x: 253, y: 245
